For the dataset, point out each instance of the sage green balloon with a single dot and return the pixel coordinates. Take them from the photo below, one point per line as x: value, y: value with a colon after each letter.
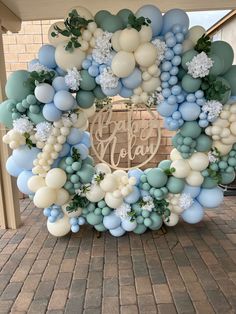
x: 98, y: 93
x: 209, y: 183
x: 140, y: 229
x: 112, y: 23
x: 5, y: 114
x: 181, y: 73
x: 225, y: 52
x: 164, y: 164
x: 226, y: 95
x: 100, y: 16
x: 190, y: 84
x: 100, y: 227
x: 85, y: 99
x: 187, y: 57
x: 191, y: 129
x: 227, y: 178
x: 17, y: 88
x: 88, y: 82
x: 36, y: 117
x: 156, y: 221
x: 218, y: 65
x: 156, y: 177
x: 230, y: 76
x: 93, y: 219
x: 204, y: 143
x: 175, y: 185
x: 89, y: 161
x: 86, y: 173
x: 124, y: 15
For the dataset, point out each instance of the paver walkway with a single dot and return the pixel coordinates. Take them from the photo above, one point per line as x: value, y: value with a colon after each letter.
x: 191, y: 269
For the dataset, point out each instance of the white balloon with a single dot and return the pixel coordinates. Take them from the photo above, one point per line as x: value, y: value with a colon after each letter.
x: 182, y: 168
x: 103, y: 168
x: 59, y: 38
x: 115, y: 41
x: 145, y: 34
x: 172, y: 220
x: 60, y: 227
x: 69, y: 59
x: 95, y: 193
x: 56, y: 178
x: 123, y: 64
x: 195, y: 33
x: 151, y: 84
x: 44, y: 197
x: 62, y: 197
x: 109, y: 183
x: 175, y: 154
x: 112, y: 201
x: 36, y: 182
x: 83, y: 12
x: 129, y: 39
x: 194, y: 178
x: 198, y: 161
x: 146, y: 54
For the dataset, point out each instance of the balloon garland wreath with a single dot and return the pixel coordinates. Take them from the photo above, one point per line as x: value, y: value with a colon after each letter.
x: 151, y: 59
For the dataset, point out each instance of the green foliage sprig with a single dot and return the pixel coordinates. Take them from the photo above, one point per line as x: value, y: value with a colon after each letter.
x: 169, y: 171
x: 162, y: 208
x: 75, y: 154
x: 203, y: 44
x: 132, y: 214
x: 77, y: 202
x: 101, y: 103
x: 138, y: 22
x: 215, y: 175
x: 36, y: 78
x: 73, y: 26
x: 28, y: 140
x: 99, y: 177
x: 213, y: 89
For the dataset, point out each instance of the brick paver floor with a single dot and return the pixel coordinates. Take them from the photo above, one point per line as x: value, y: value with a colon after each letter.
x: 191, y: 269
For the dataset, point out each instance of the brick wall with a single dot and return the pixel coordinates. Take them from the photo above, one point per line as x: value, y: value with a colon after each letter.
x: 23, y: 47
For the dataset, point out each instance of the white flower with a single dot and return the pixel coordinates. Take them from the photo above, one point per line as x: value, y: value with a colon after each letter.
x: 123, y: 211
x: 38, y: 67
x: 161, y: 49
x: 200, y: 65
x: 155, y: 98
x: 108, y: 79
x: 68, y: 119
x: 43, y: 130
x: 23, y: 125
x: 185, y: 200
x: 147, y: 203
x: 213, y: 109
x: 102, y: 51
x: 73, y: 78
x: 212, y: 157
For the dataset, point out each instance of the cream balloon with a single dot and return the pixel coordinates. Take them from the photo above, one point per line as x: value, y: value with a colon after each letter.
x: 230, y: 140
x: 59, y: 38
x: 45, y: 197
x: 36, y: 182
x: 198, y: 161
x: 90, y: 111
x: 172, y: 220
x: 56, y: 178
x: 222, y: 148
x: 83, y: 12
x: 195, y: 33
x: 109, y: 183
x: 145, y: 34
x: 123, y: 64
x: 233, y: 128
x: 194, y: 178
x: 60, y: 227
x: 69, y: 59
x: 146, y: 54
x: 92, y: 26
x: 129, y: 39
x: 187, y: 45
x: 175, y: 155
x: 115, y: 41
x: 112, y: 201
x: 62, y: 197
x: 103, y: 168
x: 182, y: 168
x: 151, y: 84
x: 95, y: 193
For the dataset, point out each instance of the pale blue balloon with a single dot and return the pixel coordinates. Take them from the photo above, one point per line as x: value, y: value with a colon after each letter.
x: 154, y: 14
x: 59, y: 83
x: 51, y: 113
x: 193, y: 214
x: 24, y: 156
x: 86, y: 139
x: 47, y: 56
x: 133, y: 80
x: 135, y: 173
x: 165, y: 109
x: 65, y: 150
x: 12, y: 168
x: 83, y: 150
x: 173, y: 17
x: 22, y: 181
x: 144, y: 193
x: 211, y: 198
x: 112, y: 91
x: 133, y: 197
x: 125, y: 92
x: 189, y: 111
x: 60, y: 71
x: 192, y: 190
x: 75, y: 136
x: 56, y: 163
x: 111, y: 221
x: 63, y: 100
x: 118, y: 232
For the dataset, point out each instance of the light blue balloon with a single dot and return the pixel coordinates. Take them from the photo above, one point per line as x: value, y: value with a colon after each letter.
x: 112, y: 91
x: 22, y: 181
x: 165, y: 109
x: 135, y: 173
x: 193, y: 214
x: 75, y: 136
x: 118, y: 232
x: 189, y: 111
x: 12, y: 168
x: 56, y: 163
x: 59, y: 83
x: 65, y: 150
x: 86, y: 64
x: 60, y: 71
x: 173, y: 17
x: 93, y: 70
x: 86, y: 139
x: 51, y: 113
x: 63, y: 100
x: 154, y: 14
x: 192, y: 190
x: 125, y: 92
x: 133, y: 80
x: 47, y: 56
x: 111, y: 221
x: 133, y: 197
x: 83, y: 150
x: 144, y: 193
x: 75, y: 228
x: 211, y: 198
x: 24, y: 156
x: 47, y: 211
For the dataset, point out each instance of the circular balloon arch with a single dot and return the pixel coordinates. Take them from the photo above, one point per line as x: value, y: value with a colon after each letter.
x: 153, y: 60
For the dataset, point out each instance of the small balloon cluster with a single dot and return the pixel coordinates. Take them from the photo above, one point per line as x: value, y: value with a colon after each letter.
x: 152, y: 59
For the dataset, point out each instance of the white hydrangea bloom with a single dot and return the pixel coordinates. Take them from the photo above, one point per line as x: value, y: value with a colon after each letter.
x: 123, y: 211
x: 212, y: 157
x: 23, y: 125
x: 200, y: 65
x: 155, y: 98
x: 213, y: 109
x: 73, y: 78
x: 148, y: 203
x: 38, y: 67
x: 161, y: 49
x: 43, y: 130
x: 185, y: 200
x: 108, y: 79
x: 102, y: 51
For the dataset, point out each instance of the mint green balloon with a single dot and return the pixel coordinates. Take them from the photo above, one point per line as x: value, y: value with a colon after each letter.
x: 230, y: 76
x: 156, y: 177
x: 36, y: 117
x: 124, y: 15
x: 181, y: 73
x: 17, y: 88
x: 225, y: 52
x: 112, y: 23
x: 100, y: 227
x: 190, y: 84
x: 100, y: 16
x: 204, y: 143
x: 88, y: 82
x: 227, y: 178
x: 175, y: 185
x: 98, y: 93
x: 93, y: 219
x: 86, y: 173
x: 187, y: 57
x: 226, y: 95
x: 191, y: 129
x: 164, y: 164
x: 156, y: 221
x: 5, y: 114
x: 140, y: 229
x: 88, y: 161
x: 85, y: 99
x: 209, y: 183
x: 218, y: 65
